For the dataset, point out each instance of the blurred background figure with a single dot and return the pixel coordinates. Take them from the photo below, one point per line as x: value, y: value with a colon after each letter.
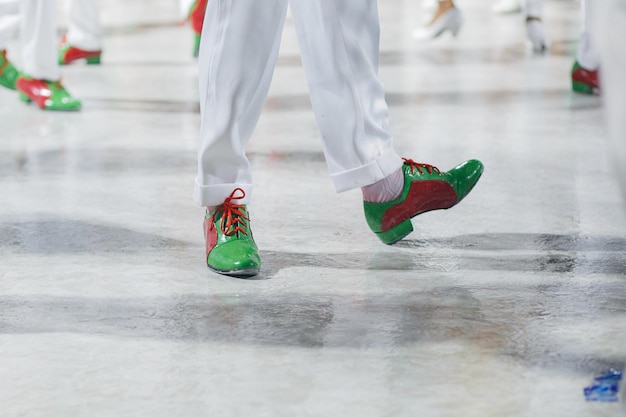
x: 193, y: 11
x: 448, y: 17
x: 585, y: 70
x: 608, y: 20
x: 9, y: 24
x: 83, y: 39
x: 40, y: 80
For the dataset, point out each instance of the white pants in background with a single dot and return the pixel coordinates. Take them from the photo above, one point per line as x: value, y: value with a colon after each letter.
x: 608, y: 33
x: 36, y: 20
x: 9, y: 21
x: 84, y: 26
x: 586, y: 54
x: 339, y: 43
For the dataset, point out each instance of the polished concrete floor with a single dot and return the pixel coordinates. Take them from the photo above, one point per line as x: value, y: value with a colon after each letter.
x: 507, y: 305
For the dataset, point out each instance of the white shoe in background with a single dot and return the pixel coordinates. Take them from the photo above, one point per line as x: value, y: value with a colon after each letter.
x: 451, y: 20
x: 537, y: 35
x: 507, y: 6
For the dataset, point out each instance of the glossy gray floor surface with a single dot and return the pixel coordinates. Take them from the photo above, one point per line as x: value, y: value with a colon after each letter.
x: 507, y: 305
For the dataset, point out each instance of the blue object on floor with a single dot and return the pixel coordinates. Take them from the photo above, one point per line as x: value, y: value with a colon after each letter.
x: 605, y: 387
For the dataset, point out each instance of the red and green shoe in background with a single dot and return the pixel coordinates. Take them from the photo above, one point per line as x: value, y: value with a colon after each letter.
x: 584, y: 80
x: 230, y: 247
x: 426, y: 188
x: 8, y: 73
x: 69, y: 54
x: 196, y: 17
x: 48, y: 95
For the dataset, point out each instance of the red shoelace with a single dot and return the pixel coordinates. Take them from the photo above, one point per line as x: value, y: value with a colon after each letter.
x: 233, y: 215
x: 419, y: 165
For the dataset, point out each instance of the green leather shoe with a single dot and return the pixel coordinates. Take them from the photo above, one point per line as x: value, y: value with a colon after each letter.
x: 230, y: 247
x: 8, y: 73
x: 48, y: 95
x: 426, y: 188
x: 68, y: 54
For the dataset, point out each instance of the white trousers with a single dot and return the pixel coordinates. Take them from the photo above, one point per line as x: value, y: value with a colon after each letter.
x: 37, y: 21
x: 608, y: 33
x: 586, y: 54
x: 9, y: 21
x: 84, y: 26
x: 339, y: 43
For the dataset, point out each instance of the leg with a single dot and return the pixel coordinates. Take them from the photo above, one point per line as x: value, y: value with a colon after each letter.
x: 9, y: 23
x: 238, y: 50
x: 84, y: 36
x: 586, y: 54
x: 584, y: 72
x: 347, y: 97
x: 534, y: 25
x: 349, y: 103
x: 40, y: 83
x: 235, y: 71
x: 85, y: 28
x: 608, y: 32
x: 38, y: 35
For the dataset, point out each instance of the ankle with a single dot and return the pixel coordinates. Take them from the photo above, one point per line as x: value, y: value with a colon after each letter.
x: 387, y: 189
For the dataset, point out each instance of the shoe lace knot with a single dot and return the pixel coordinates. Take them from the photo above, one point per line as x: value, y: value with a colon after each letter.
x: 233, y: 217
x: 419, y: 165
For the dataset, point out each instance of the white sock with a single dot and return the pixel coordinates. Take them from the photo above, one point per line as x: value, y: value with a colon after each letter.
x: 387, y: 189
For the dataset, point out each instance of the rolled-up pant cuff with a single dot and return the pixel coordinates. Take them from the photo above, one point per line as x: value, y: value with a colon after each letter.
x: 367, y: 174
x: 213, y: 195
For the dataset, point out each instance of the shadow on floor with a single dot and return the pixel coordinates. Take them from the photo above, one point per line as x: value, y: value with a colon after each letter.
x: 525, y: 252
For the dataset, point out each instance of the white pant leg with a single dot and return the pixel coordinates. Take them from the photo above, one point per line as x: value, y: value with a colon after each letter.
x: 339, y: 42
x: 586, y: 54
x: 238, y: 51
x: 608, y: 33
x: 84, y: 25
x: 9, y: 21
x: 39, y: 39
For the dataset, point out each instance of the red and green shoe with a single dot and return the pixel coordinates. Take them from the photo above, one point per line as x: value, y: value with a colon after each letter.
x: 585, y: 81
x: 426, y: 188
x: 48, y: 95
x: 69, y: 54
x: 196, y: 17
x: 230, y: 247
x: 8, y: 73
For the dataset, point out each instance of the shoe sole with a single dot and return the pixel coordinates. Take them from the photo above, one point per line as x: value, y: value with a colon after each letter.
x: 236, y: 273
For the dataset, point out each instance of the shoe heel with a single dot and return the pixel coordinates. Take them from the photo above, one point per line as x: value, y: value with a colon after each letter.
x: 93, y: 60
x: 582, y: 87
x: 25, y: 98
x: 396, y: 233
